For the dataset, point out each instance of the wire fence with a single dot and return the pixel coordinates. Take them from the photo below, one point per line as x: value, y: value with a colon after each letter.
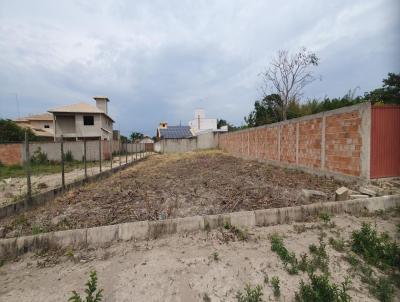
x: 32, y: 167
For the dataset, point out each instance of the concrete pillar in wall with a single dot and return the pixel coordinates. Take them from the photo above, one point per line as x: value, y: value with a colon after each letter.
x: 323, y: 151
x: 279, y: 142
x: 297, y: 143
x: 365, y: 133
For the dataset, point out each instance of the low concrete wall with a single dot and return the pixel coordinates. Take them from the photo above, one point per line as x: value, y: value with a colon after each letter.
x: 44, y: 197
x: 145, y: 230
x: 207, y: 140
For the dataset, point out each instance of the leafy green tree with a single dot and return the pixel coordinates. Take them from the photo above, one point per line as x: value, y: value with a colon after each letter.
x: 11, y: 132
x: 222, y: 122
x: 136, y: 136
x: 390, y: 91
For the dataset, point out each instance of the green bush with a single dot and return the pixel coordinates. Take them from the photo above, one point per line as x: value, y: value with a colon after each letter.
x: 12, y: 132
x: 378, y: 250
x: 91, y: 288
x: 250, y: 294
x: 320, y: 289
x: 68, y: 157
x: 39, y: 157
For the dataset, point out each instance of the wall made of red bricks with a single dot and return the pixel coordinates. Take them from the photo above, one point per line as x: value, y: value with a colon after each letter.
x: 272, y: 143
x: 343, y: 143
x: 310, y: 136
x: 301, y: 142
x: 288, y: 143
x: 10, y: 154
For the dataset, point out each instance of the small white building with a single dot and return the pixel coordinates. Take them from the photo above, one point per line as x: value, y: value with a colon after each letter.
x: 202, y: 124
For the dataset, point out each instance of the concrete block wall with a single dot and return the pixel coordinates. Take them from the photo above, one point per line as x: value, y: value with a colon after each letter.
x: 14, y: 154
x: 335, y: 143
x: 207, y: 140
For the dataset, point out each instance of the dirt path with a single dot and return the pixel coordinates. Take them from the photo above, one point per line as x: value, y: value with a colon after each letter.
x: 169, y: 186
x: 183, y: 268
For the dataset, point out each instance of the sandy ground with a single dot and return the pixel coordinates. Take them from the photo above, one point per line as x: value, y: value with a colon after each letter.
x: 169, y: 186
x: 182, y: 268
x: 12, y: 188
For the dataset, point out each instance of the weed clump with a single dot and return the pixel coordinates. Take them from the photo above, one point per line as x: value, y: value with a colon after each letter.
x: 242, y: 235
x: 383, y: 289
x: 321, y: 289
x: 337, y: 244
x: 250, y: 294
x: 376, y: 249
x: 289, y: 259
x: 91, y: 288
x: 319, y: 259
x: 275, y: 286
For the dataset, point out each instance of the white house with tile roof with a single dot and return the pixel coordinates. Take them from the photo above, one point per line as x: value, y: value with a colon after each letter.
x: 82, y: 120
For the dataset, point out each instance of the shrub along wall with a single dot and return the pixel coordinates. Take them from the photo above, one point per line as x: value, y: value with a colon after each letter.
x: 333, y: 143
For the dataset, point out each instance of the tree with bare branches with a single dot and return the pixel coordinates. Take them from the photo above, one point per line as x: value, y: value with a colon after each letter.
x: 288, y: 74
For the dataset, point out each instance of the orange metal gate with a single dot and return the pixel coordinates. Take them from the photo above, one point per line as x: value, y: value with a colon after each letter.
x: 385, y: 141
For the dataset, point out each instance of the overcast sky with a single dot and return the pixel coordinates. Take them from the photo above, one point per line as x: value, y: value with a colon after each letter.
x: 159, y: 60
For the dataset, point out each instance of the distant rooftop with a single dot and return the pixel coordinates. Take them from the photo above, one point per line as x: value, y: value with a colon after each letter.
x: 36, y: 117
x: 175, y: 132
x: 78, y: 108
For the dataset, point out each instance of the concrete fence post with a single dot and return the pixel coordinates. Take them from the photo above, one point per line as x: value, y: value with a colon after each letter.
x: 84, y: 156
x: 28, y: 171
x: 323, y: 126
x: 111, y: 153
x: 62, y: 163
x: 100, y: 153
x: 279, y: 143
x: 297, y: 143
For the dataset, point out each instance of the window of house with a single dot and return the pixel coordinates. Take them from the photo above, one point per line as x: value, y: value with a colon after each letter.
x: 47, y: 126
x: 88, y: 120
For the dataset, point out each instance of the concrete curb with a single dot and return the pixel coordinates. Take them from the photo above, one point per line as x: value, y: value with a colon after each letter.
x: 145, y: 230
x: 47, y: 196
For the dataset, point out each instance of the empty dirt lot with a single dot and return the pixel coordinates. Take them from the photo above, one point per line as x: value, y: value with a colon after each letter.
x: 204, y: 266
x: 169, y: 186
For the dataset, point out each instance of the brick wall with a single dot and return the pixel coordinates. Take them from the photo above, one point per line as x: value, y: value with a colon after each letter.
x: 10, y: 154
x: 343, y: 143
x: 309, y: 145
x: 335, y: 142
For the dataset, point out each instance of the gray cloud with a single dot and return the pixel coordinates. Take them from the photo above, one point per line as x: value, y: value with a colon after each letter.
x: 160, y: 60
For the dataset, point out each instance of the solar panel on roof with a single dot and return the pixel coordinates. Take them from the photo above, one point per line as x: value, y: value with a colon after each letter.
x: 176, y: 132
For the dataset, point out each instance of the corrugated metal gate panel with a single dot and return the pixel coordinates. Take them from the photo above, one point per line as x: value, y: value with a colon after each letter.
x: 385, y: 141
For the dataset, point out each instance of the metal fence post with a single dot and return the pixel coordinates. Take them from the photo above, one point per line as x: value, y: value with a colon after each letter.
x: 135, y: 151
x: 62, y: 163
x: 84, y: 156
x: 111, y: 152
x: 28, y: 170
x: 100, y: 153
